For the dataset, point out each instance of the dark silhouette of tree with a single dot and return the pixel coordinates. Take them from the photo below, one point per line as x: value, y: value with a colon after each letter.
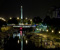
x: 2, y: 23
x: 13, y: 21
x: 47, y: 20
x: 29, y: 22
x: 55, y: 22
x: 37, y: 20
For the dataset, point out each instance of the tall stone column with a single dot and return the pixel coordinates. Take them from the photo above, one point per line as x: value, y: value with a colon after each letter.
x: 21, y: 14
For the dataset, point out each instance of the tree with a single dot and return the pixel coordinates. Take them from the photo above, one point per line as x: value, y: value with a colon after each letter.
x: 2, y: 23
x: 29, y: 22
x: 47, y: 20
x: 13, y: 21
x: 37, y: 20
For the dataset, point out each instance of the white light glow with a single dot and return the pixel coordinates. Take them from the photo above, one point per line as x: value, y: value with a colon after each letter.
x: 47, y: 30
x: 10, y: 17
x: 18, y: 41
x: 26, y: 17
x: 52, y: 31
x: 59, y: 32
x: 26, y: 41
x: 30, y: 19
x: 18, y: 18
x: 37, y: 29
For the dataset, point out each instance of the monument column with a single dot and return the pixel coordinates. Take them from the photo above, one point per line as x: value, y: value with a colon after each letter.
x: 21, y: 14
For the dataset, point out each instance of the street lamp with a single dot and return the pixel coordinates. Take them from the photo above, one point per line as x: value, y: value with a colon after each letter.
x: 10, y: 18
x: 18, y: 41
x: 47, y: 30
x: 37, y: 29
x: 52, y: 31
x: 17, y: 18
x: 59, y: 32
x: 26, y: 41
x: 26, y: 18
x: 30, y: 19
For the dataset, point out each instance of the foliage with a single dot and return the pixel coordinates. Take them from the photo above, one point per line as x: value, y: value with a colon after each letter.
x: 13, y: 21
x: 37, y: 20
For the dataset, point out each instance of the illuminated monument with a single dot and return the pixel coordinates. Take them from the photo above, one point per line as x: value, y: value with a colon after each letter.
x: 21, y: 23
x: 21, y: 14
x: 20, y: 27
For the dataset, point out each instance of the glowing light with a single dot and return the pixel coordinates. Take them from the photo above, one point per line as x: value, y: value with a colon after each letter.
x: 40, y: 29
x: 18, y: 41
x: 52, y: 31
x: 4, y: 20
x: 47, y: 30
x: 26, y: 17
x: 21, y: 6
x: 10, y: 17
x: 21, y: 12
x: 26, y: 41
x: 37, y: 29
x: 59, y: 32
x: 30, y: 19
x: 43, y: 30
x: 18, y: 18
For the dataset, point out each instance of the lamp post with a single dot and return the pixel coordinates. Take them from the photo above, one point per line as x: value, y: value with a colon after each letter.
x: 26, y: 18
x: 10, y: 18
x: 59, y: 32
x: 31, y: 21
x: 17, y: 18
x: 47, y: 30
x: 52, y: 31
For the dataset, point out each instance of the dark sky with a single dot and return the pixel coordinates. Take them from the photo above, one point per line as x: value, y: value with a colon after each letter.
x: 31, y: 8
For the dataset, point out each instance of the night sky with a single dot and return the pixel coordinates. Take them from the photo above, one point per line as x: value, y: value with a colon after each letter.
x: 31, y: 8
